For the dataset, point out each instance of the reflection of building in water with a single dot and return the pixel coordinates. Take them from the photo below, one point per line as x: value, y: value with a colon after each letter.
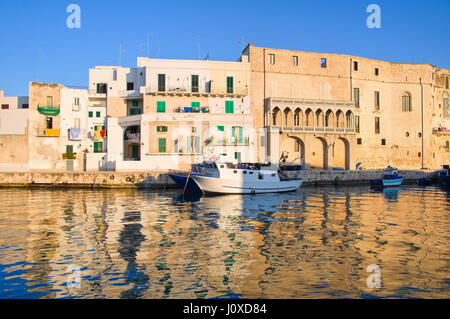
x: 301, y: 239
x: 402, y: 238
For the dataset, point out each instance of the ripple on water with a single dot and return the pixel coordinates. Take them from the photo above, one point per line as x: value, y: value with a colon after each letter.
x: 314, y: 243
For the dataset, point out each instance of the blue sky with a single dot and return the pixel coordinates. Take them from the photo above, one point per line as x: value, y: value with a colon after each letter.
x: 36, y: 44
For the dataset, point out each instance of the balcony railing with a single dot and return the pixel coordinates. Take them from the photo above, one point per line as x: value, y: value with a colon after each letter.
x: 441, y: 130
x: 98, y: 94
x: 47, y: 132
x: 315, y: 129
x: 187, y: 90
x: 186, y: 109
x: 130, y: 93
x: 229, y: 142
x: 275, y: 101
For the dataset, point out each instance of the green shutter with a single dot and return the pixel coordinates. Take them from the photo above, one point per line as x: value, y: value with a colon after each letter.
x: 229, y: 107
x: 197, y: 144
x: 135, y: 103
x: 233, y: 131
x: 98, y: 147
x: 161, y: 107
x: 162, y: 145
x: 189, y: 144
x: 241, y: 134
x: 91, y: 113
x: 69, y: 148
x: 221, y: 128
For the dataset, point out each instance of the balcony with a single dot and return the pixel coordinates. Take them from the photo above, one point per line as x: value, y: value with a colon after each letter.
x: 441, y: 131
x: 185, y: 109
x: 48, y: 110
x: 97, y: 94
x: 132, y: 137
x: 47, y: 132
x: 229, y: 142
x: 135, y: 94
x: 200, y: 91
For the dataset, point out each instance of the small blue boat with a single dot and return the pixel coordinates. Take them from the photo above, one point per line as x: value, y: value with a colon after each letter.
x: 391, y: 178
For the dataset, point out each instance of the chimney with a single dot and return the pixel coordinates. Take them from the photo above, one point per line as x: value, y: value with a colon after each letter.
x: 1, y: 93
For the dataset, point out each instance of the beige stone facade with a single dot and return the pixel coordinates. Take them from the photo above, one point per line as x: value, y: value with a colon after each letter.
x: 344, y: 111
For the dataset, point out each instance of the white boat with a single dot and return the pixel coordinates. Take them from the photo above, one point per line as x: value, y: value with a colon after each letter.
x: 245, y: 179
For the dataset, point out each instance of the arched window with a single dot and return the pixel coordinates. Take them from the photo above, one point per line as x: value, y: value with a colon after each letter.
x: 406, y: 102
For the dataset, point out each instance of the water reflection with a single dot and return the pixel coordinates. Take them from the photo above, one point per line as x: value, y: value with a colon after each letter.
x: 141, y: 244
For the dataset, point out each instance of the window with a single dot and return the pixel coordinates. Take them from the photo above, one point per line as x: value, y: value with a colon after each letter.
x: 406, y: 102
x: 221, y: 128
x: 229, y: 84
x: 377, y: 100
x: 97, y: 114
x: 76, y: 101
x: 356, y: 96
x: 135, y: 103
x: 5, y: 106
x: 355, y: 65
x: 297, y: 146
x: 130, y: 86
x: 25, y: 106
x: 49, y: 122
x: 357, y: 124
x: 446, y: 82
x: 162, y: 145
x: 229, y: 107
x: 419, y: 154
x: 377, y: 125
x: 161, y: 82
x: 194, y: 83
x: 377, y: 72
x: 323, y: 63
x: 446, y: 106
x: 161, y: 128
x: 272, y: 58
x: 135, y: 111
x: 383, y: 141
x: 98, y: 147
x: 359, y: 141
x: 295, y: 60
x: 49, y: 100
x: 91, y: 114
x: 160, y: 107
x: 69, y: 148
x: 239, y: 139
x: 101, y: 88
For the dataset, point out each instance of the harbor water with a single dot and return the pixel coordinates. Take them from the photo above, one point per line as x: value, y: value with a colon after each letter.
x: 327, y: 242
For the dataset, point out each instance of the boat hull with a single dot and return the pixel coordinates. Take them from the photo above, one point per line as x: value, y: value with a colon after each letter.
x: 383, y: 183
x: 214, y: 185
x: 191, y: 186
x: 444, y: 180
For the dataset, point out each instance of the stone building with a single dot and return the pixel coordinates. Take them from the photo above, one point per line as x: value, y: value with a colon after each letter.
x: 341, y: 111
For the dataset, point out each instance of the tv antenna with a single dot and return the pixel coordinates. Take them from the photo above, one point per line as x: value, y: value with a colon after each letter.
x: 198, y: 45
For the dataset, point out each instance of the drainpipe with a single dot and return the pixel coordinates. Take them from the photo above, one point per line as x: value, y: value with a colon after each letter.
x: 351, y: 84
x: 264, y: 105
x: 421, y: 110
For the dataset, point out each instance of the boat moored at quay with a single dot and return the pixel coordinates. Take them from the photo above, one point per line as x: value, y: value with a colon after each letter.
x: 391, y: 178
x: 244, y: 178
